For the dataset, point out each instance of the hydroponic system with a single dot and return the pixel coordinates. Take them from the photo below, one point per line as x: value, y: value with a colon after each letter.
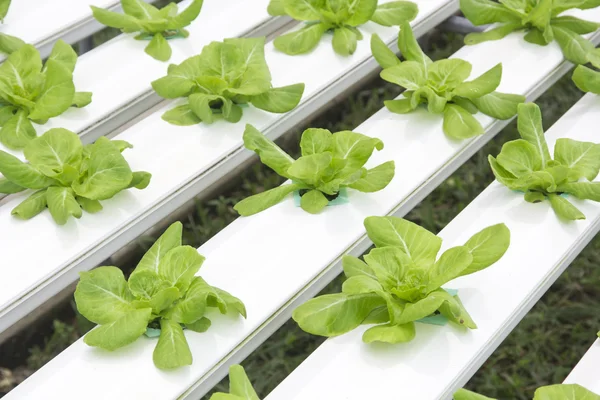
x: 97, y: 148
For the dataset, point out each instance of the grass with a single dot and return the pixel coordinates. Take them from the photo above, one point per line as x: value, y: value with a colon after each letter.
x: 541, y: 350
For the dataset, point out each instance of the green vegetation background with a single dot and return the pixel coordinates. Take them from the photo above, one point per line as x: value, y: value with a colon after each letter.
x: 541, y: 350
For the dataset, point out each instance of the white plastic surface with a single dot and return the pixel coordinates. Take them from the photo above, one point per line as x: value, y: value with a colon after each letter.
x: 41, y: 22
x: 175, y: 156
x: 441, y: 359
x: 585, y: 372
x: 267, y: 258
x: 119, y: 72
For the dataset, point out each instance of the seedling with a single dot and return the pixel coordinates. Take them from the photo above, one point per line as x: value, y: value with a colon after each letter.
x: 32, y: 92
x: 153, y: 24
x: 342, y: 17
x: 329, y: 162
x: 162, y: 291
x: 400, y: 282
x: 443, y: 87
x: 541, y: 20
x: 221, y: 80
x: 68, y: 177
x: 525, y: 165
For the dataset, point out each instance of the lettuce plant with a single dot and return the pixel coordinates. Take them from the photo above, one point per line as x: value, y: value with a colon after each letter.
x: 221, y: 80
x: 541, y: 20
x: 343, y: 17
x: 4, y: 4
x: 551, y: 392
x: 9, y: 44
x: 67, y: 176
x: 162, y: 291
x: 240, y: 387
x: 32, y: 92
x: 400, y: 282
x: 586, y: 78
x: 525, y: 165
x: 151, y: 23
x: 442, y: 86
x: 329, y: 162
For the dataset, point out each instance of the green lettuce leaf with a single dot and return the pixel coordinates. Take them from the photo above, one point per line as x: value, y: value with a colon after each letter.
x: 172, y: 350
x: 240, y: 387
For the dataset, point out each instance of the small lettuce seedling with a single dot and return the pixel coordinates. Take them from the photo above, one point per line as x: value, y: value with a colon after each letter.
x: 586, y: 78
x: 32, y: 92
x: 224, y: 77
x: 240, y: 387
x: 151, y: 22
x: 442, y: 86
x: 329, y: 162
x: 4, y: 4
x: 525, y: 165
x: 162, y: 291
x: 400, y: 282
x: 541, y: 20
x: 343, y: 17
x: 68, y: 177
x: 551, y: 392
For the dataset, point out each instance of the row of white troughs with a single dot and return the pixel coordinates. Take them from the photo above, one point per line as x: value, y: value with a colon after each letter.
x: 278, y: 259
